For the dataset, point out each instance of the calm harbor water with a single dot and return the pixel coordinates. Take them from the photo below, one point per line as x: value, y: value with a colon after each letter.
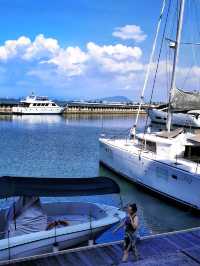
x: 58, y: 146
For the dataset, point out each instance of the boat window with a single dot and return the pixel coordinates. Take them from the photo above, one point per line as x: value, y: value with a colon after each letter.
x: 46, y: 104
x: 34, y: 104
x: 38, y: 104
x: 53, y: 104
x: 25, y: 104
x: 158, y: 117
x: 192, y: 153
x: 42, y: 104
x: 151, y: 146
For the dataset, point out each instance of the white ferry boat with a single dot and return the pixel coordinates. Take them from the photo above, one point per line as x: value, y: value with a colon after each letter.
x: 165, y: 162
x: 37, y: 105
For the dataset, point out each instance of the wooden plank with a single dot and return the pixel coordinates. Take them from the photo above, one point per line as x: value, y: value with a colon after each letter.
x: 191, y: 238
x: 181, y: 241
x: 146, y: 248
x: 193, y: 253
x: 196, y: 233
x: 95, y: 257
x: 161, y: 245
x: 115, y: 256
x: 177, y: 259
x: 86, y: 258
x: 163, y: 250
x: 104, y: 258
x: 72, y: 259
x: 63, y: 260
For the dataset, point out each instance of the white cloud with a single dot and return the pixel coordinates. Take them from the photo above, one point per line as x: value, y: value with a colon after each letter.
x: 107, y: 58
x: 70, y: 60
x: 92, y: 69
x: 27, y: 50
x: 41, y: 47
x: 13, y: 48
x: 73, y: 61
x: 130, y: 32
x: 118, y: 51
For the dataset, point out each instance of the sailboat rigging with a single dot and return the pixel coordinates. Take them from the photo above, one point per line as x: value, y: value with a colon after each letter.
x: 165, y: 162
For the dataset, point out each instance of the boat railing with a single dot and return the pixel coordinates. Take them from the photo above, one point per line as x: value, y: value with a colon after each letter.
x: 6, y: 235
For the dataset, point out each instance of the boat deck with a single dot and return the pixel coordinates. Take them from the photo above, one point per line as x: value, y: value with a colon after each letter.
x: 171, y: 249
x: 128, y: 146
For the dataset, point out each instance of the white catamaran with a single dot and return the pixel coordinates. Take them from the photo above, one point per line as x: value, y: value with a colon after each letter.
x: 165, y: 162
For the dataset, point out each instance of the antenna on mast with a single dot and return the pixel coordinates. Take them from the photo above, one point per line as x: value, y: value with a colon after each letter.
x: 176, y: 48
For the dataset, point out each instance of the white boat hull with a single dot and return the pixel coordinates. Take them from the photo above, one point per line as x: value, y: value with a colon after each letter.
x: 37, y: 110
x: 38, y: 247
x: 178, y: 119
x: 43, y: 241
x: 160, y: 176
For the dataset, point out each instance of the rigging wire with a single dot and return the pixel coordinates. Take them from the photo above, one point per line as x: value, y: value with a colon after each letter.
x: 198, y: 27
x: 194, y: 14
x: 189, y: 71
x: 150, y: 64
x: 156, y: 71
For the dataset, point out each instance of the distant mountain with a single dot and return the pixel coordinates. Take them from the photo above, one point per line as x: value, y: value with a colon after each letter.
x: 9, y: 100
x: 121, y: 99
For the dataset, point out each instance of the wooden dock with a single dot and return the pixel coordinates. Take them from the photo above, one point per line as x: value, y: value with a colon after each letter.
x: 172, y: 249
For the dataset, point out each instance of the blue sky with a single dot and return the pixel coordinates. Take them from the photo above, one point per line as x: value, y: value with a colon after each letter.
x: 75, y: 49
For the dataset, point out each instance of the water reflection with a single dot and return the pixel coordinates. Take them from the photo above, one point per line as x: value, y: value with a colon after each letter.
x: 60, y: 146
x: 6, y: 117
x: 37, y: 119
x: 156, y: 215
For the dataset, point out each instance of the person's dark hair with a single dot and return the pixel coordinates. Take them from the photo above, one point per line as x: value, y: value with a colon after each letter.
x: 133, y: 207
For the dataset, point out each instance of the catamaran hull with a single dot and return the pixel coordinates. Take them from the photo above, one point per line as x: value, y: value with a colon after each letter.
x: 158, y: 176
x: 178, y: 119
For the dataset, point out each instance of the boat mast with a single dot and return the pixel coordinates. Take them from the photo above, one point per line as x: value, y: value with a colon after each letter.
x: 149, y: 67
x: 175, y: 61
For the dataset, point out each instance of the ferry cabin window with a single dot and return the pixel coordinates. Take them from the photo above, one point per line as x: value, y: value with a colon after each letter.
x: 34, y: 104
x: 46, y: 104
x: 53, y: 104
x: 38, y: 104
x: 25, y: 104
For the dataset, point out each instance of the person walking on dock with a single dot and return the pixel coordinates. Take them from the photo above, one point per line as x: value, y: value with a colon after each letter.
x: 130, y: 224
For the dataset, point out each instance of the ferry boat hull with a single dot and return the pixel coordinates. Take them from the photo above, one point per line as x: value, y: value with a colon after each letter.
x: 37, y: 111
x: 33, y: 105
x: 159, y: 176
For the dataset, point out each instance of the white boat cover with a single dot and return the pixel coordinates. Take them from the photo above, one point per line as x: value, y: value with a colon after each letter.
x: 185, y: 100
x: 26, y: 216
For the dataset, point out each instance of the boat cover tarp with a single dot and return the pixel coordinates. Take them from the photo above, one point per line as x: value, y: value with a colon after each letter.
x: 171, y: 134
x: 185, y: 100
x: 46, y: 186
x: 26, y: 216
